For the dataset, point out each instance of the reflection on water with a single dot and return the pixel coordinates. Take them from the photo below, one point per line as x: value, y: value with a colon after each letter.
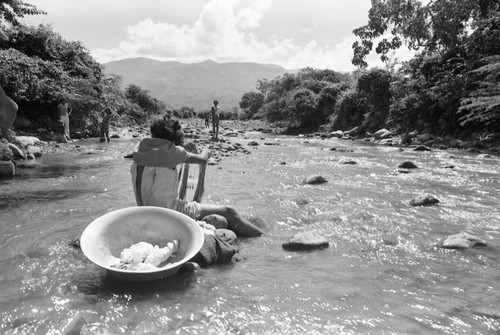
x: 382, y: 274
x: 22, y: 198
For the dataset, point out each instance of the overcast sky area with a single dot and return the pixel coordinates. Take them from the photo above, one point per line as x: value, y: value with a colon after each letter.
x: 291, y: 33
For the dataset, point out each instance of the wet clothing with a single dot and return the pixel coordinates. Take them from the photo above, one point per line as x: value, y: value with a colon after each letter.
x: 156, y: 183
x: 158, y: 188
x: 215, y: 250
x: 154, y: 175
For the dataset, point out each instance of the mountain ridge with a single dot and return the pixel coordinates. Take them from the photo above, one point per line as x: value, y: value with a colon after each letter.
x: 193, y: 85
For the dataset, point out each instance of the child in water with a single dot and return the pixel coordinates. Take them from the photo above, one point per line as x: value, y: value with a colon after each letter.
x: 104, y: 130
x: 156, y: 183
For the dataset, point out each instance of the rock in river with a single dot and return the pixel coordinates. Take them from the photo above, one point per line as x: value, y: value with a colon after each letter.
x: 463, y: 241
x: 314, y: 179
x: 424, y: 200
x: 308, y: 240
x: 407, y: 165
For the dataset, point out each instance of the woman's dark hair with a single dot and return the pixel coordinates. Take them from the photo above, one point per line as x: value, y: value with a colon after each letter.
x: 167, y: 129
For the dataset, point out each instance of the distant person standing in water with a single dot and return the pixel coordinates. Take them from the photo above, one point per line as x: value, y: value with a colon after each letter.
x: 215, y: 113
x: 64, y: 113
x: 107, y: 114
x: 207, y: 120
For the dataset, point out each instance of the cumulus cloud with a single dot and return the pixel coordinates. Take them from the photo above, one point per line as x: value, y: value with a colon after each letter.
x: 222, y: 33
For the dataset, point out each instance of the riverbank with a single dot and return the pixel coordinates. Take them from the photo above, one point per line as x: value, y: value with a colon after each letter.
x: 22, y: 149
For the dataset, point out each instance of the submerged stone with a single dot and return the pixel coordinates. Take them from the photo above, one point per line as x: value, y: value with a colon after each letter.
x: 314, y: 179
x: 308, y: 240
x: 407, y: 165
x: 422, y: 148
x: 424, y: 200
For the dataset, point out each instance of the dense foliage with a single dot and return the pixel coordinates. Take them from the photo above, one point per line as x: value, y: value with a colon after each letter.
x: 143, y: 105
x: 452, y: 91
x: 435, y: 26
x: 313, y: 99
x: 38, y: 68
x: 304, y: 100
x: 451, y: 87
x: 12, y: 10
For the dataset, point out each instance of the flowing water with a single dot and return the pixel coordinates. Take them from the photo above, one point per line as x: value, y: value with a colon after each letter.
x: 383, y: 272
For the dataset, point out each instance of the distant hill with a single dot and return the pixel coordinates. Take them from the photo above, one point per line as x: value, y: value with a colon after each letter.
x: 193, y: 85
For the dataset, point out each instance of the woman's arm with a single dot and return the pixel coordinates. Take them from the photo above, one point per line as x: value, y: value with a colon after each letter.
x: 199, y: 158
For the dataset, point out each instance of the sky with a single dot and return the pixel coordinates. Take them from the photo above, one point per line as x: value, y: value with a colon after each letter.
x: 291, y: 33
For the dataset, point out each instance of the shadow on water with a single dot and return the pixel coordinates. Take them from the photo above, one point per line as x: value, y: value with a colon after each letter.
x: 101, y: 283
x: 40, y: 171
x: 22, y: 198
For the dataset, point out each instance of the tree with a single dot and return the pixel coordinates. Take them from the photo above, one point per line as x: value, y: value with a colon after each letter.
x: 375, y: 86
x: 148, y: 105
x: 480, y: 106
x: 251, y: 102
x: 12, y: 10
x: 302, y: 108
x: 349, y: 111
x: 438, y: 25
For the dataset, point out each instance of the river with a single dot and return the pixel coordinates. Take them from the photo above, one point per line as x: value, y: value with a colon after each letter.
x: 383, y: 272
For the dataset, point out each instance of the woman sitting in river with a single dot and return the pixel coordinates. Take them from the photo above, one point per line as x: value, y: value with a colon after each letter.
x: 156, y: 182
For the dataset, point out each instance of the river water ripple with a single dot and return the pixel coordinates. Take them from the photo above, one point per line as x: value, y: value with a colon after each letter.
x: 382, y: 274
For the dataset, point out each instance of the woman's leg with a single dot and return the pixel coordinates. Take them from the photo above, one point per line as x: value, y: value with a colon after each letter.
x: 236, y: 223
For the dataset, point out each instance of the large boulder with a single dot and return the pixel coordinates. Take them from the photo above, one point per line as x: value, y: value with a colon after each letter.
x: 308, y: 240
x: 337, y: 134
x: 5, y: 152
x: 16, y: 151
x: 28, y: 140
x: 463, y: 241
x: 382, y: 134
x: 7, y: 169
x: 406, y: 139
x: 424, y: 137
x: 34, y: 150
